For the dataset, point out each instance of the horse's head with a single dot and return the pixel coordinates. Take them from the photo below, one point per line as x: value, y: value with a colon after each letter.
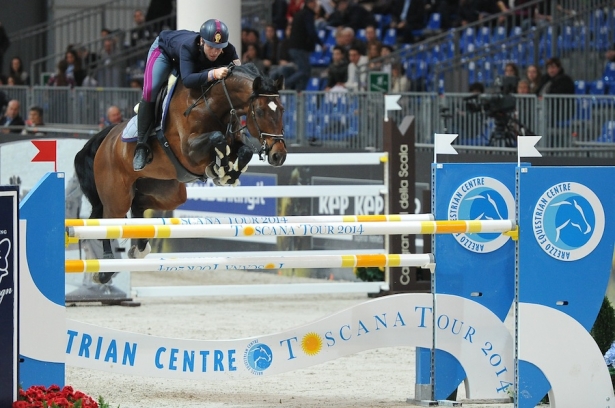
x: 259, y: 99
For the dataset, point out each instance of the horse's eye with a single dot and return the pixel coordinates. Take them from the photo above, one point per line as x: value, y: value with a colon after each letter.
x: 259, y: 112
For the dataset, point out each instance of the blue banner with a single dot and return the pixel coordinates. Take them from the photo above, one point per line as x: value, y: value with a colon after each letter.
x: 9, y: 198
x: 565, y: 250
x: 263, y: 206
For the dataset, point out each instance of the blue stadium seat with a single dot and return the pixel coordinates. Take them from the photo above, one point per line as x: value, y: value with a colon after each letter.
x: 314, y: 84
x: 608, y: 74
x: 579, y: 41
x: 330, y: 40
x: 467, y: 37
x: 360, y: 34
x: 483, y: 37
x: 597, y: 87
x: 499, y: 34
x: 608, y: 132
x: 565, y: 40
x: 580, y: 88
x: 290, y: 116
x: 321, y: 57
x: 390, y: 37
x: 383, y: 20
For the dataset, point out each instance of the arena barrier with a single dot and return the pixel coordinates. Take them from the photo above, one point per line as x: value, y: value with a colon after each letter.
x: 548, y: 259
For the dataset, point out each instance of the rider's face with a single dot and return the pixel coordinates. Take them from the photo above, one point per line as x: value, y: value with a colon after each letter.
x: 211, y: 53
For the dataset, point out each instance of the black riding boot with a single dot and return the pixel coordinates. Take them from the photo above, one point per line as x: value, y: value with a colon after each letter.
x: 145, y: 121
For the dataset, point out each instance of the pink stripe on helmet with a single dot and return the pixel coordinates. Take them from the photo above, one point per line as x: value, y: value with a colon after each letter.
x: 218, y: 26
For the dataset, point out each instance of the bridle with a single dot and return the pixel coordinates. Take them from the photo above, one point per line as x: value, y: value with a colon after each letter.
x: 234, y: 125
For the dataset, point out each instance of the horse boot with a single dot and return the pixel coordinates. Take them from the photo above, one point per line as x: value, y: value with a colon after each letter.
x: 145, y: 121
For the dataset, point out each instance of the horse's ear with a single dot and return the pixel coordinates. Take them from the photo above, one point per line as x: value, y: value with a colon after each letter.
x: 279, y: 83
x: 257, y: 84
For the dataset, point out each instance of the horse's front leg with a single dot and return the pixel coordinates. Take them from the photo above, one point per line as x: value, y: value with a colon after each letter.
x: 105, y: 277
x: 240, y: 165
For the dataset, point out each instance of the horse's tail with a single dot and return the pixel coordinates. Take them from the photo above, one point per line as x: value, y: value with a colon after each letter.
x: 84, y: 169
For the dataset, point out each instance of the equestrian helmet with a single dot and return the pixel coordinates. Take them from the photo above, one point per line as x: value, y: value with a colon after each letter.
x: 215, y: 33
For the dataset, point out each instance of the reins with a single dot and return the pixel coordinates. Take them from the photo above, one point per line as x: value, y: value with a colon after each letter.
x: 234, y: 125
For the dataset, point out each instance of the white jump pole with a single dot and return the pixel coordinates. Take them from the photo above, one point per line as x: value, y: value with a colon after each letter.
x: 248, y: 263
x: 243, y: 219
x: 296, y: 229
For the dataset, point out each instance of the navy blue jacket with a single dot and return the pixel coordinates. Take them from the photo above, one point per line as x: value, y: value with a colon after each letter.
x: 182, y: 46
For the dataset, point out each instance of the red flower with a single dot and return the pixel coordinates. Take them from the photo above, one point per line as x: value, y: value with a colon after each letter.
x: 37, y: 395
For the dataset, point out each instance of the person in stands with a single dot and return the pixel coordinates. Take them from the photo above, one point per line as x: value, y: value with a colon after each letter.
x: 199, y: 57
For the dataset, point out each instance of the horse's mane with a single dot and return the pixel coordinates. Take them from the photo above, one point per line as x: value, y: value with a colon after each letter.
x: 251, y: 71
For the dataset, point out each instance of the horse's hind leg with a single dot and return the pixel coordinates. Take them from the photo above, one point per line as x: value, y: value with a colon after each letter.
x: 156, y: 195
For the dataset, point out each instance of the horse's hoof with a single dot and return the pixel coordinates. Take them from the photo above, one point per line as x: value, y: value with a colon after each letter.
x: 103, y: 277
x: 134, y: 253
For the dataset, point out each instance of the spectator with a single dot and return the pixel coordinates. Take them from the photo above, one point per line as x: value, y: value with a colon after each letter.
x: 11, y: 117
x: 35, y: 120
x: 4, y: 100
x: 18, y: 72
x: 88, y: 59
x: 251, y: 37
x: 373, y: 54
x: 385, y: 51
x: 285, y: 65
x: 399, y: 80
x: 349, y: 14
x: 269, y: 48
x: 556, y: 81
x: 523, y: 87
x: 533, y: 75
x: 371, y: 37
x: 303, y: 40
x: 74, y: 67
x: 294, y: 6
x: 140, y: 34
x: 346, y: 38
x: 136, y: 83
x: 511, y: 72
x: 110, y: 70
x: 60, y: 78
x: 278, y: 14
x: 610, y: 55
x: 337, y: 73
x: 4, y: 45
x: 357, y: 72
x: 408, y: 16
x: 251, y: 55
x: 114, y: 117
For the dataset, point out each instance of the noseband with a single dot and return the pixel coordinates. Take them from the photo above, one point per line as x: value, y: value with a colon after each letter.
x: 234, y: 125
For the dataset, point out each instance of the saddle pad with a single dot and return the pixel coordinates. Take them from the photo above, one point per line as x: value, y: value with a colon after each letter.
x: 130, y: 131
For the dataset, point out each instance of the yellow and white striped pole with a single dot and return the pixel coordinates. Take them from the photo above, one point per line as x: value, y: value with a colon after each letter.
x: 290, y: 229
x: 248, y: 263
x: 243, y: 219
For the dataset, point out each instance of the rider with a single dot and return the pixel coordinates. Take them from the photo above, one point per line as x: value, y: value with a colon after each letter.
x: 195, y: 56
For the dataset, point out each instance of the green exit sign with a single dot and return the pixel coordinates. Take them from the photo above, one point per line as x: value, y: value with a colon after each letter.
x: 379, y: 82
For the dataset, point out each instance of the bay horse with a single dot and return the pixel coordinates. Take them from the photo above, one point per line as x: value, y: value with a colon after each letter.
x: 202, y: 137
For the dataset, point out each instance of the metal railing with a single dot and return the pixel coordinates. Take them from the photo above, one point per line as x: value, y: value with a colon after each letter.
x: 354, y: 120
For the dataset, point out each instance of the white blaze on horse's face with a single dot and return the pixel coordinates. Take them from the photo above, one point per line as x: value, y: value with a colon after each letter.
x: 272, y: 106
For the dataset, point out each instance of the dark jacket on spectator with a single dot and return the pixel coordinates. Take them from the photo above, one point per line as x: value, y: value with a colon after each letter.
x: 561, y: 84
x: 16, y: 121
x: 303, y: 35
x: 355, y: 17
x: 278, y: 14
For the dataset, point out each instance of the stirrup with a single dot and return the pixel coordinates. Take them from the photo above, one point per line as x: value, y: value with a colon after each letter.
x: 143, y: 156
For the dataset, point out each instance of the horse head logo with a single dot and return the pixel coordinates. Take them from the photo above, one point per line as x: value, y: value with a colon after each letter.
x: 5, y: 250
x: 572, y: 216
x: 484, y: 207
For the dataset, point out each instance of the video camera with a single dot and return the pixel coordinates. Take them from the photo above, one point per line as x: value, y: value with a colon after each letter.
x: 495, y: 105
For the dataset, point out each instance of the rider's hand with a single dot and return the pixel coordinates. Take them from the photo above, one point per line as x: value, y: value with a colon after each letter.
x: 220, y: 73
